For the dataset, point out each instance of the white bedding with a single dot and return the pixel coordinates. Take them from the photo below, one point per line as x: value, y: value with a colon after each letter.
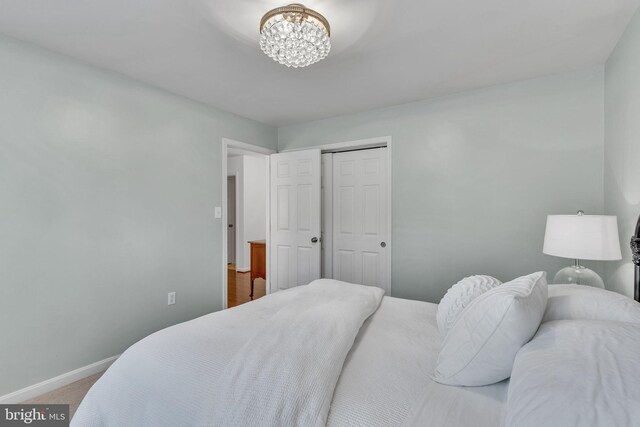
x: 281, y: 372
x: 286, y: 373
x: 174, y: 377
x: 578, y: 373
x: 386, y: 380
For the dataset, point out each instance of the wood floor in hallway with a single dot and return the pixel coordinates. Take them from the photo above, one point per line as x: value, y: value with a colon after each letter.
x: 240, y: 287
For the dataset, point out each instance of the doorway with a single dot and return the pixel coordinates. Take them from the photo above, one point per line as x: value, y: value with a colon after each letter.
x: 300, y: 208
x: 245, y: 219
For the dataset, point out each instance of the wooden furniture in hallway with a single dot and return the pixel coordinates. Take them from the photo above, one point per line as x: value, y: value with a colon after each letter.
x: 258, y: 261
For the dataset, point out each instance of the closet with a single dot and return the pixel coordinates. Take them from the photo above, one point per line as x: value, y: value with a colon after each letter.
x: 329, y: 217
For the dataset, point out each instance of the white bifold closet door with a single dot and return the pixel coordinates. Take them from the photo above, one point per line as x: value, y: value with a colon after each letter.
x: 360, y: 229
x: 295, y: 218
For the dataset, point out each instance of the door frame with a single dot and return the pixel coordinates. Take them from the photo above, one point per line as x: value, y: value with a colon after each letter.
x: 235, y: 225
x: 255, y: 149
x: 361, y: 144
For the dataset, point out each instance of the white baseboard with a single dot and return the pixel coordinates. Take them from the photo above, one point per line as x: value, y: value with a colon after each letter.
x: 243, y: 270
x: 56, y: 382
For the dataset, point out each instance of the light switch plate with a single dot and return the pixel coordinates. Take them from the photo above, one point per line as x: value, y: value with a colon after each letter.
x: 171, y: 298
x: 218, y: 212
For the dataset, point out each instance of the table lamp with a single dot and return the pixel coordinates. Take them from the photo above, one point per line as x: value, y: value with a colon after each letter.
x: 591, y: 237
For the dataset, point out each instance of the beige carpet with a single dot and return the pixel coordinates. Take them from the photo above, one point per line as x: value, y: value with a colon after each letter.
x: 71, y: 394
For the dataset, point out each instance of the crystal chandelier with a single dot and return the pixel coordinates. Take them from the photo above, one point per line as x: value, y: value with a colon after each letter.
x: 294, y: 35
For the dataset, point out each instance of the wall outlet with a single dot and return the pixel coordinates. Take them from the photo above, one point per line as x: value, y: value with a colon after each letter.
x: 218, y: 212
x: 171, y: 298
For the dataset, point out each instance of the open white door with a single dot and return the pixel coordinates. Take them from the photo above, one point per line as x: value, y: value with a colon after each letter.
x: 295, y: 218
x: 360, y: 230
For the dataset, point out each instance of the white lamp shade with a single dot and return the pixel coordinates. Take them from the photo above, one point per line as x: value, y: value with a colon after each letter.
x: 592, y: 237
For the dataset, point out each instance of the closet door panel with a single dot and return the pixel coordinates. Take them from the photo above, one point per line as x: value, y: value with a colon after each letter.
x: 360, y: 197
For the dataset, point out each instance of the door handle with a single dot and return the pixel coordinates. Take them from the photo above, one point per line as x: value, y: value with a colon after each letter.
x: 314, y: 240
x: 230, y: 225
x: 383, y: 244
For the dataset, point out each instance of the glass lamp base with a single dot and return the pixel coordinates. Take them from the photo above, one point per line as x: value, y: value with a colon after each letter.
x: 578, y: 275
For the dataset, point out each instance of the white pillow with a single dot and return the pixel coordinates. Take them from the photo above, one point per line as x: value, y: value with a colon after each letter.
x: 577, y: 373
x: 481, y: 346
x: 576, y: 302
x: 459, y: 296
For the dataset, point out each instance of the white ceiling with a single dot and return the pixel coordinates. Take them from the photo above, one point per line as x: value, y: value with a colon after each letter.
x: 385, y: 52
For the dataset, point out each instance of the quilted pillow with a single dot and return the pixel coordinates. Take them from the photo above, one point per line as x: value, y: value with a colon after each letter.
x: 481, y: 346
x: 459, y: 296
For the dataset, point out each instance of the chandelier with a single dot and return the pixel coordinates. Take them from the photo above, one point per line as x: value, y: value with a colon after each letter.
x: 294, y: 35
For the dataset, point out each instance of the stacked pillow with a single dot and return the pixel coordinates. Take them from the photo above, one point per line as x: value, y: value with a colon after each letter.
x: 581, y: 368
x: 459, y: 296
x: 483, y: 338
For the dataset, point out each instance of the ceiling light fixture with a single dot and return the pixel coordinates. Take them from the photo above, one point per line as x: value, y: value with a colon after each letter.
x: 294, y: 35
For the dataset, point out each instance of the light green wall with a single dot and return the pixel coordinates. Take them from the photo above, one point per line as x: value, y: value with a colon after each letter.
x: 107, y: 196
x: 475, y: 174
x: 622, y: 149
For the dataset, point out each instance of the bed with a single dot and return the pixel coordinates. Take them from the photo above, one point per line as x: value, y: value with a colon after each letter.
x: 327, y: 353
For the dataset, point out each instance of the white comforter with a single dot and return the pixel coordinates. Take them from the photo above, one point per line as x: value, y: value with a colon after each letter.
x: 274, y: 362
